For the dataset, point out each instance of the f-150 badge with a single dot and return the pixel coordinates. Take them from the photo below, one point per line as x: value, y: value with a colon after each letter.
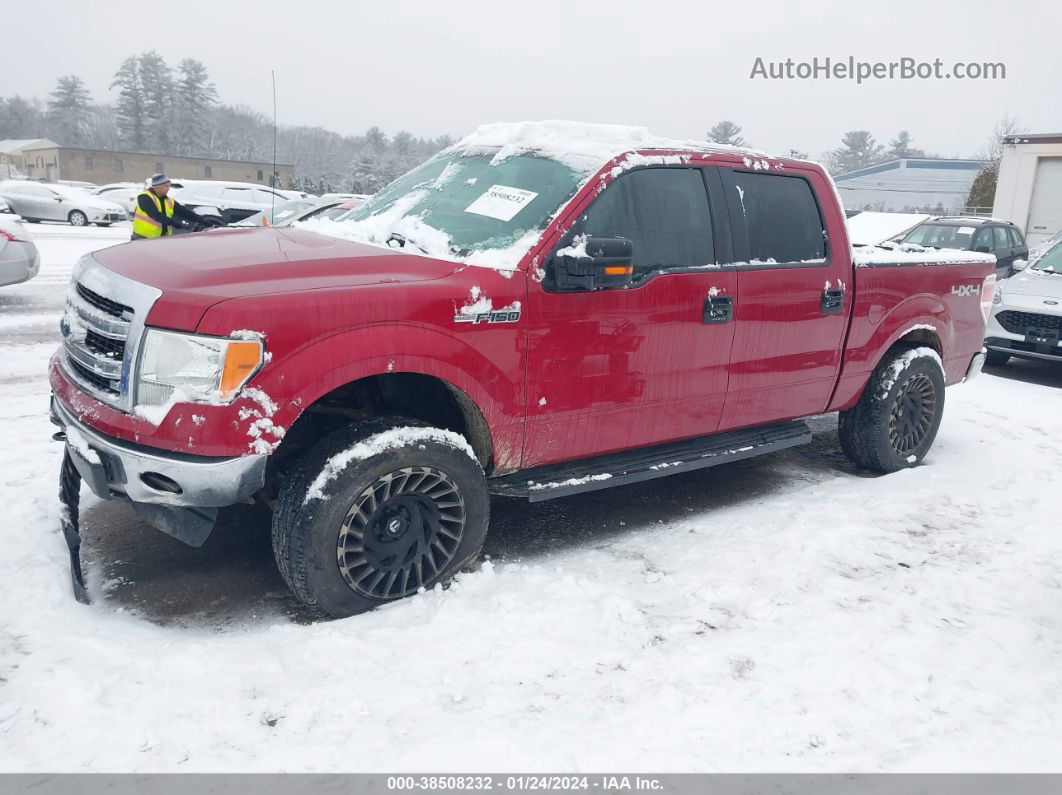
x: 495, y: 316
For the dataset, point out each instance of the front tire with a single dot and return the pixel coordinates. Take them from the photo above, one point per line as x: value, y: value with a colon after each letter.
x: 895, y: 422
x: 376, y: 512
x: 77, y: 218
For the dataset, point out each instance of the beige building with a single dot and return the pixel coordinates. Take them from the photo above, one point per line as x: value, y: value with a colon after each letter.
x: 42, y: 159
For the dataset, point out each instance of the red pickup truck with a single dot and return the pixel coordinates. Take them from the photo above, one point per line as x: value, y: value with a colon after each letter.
x: 540, y: 310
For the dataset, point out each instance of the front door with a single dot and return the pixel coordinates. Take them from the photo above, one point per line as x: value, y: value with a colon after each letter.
x: 617, y: 369
x: 794, y: 296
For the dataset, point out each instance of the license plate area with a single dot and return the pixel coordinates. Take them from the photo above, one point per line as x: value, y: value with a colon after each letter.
x: 1044, y: 337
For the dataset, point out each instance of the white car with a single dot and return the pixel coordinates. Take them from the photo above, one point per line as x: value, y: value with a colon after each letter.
x: 19, y: 258
x: 1026, y: 319
x: 123, y: 193
x: 39, y: 201
x: 227, y: 202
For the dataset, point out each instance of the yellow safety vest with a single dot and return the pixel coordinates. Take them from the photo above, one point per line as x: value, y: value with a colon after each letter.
x: 146, y: 226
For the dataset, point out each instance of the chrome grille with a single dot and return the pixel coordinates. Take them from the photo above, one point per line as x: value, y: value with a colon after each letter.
x: 101, y: 329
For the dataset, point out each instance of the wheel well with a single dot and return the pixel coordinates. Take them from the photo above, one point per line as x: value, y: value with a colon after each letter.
x: 419, y: 397
x: 920, y: 336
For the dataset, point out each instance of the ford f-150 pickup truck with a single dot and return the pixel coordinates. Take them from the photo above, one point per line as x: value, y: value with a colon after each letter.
x: 540, y: 310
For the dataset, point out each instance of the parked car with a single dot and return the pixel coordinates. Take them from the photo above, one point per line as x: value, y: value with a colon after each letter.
x: 986, y: 235
x: 283, y: 214
x: 123, y: 193
x: 1026, y: 319
x: 294, y: 194
x: 77, y: 183
x: 19, y: 259
x: 38, y: 201
x: 5, y: 207
x: 345, y: 196
x: 227, y: 202
x: 508, y: 319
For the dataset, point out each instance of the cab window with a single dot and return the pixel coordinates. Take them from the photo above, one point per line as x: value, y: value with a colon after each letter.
x: 782, y: 217
x: 663, y: 211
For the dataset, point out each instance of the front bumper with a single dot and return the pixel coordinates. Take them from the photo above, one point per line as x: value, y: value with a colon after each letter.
x: 1038, y: 337
x: 115, y: 468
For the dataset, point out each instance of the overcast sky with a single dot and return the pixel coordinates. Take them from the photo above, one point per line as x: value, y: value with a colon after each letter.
x: 676, y: 67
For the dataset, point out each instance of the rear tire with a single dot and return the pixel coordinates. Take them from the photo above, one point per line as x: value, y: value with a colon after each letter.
x: 893, y: 425
x: 350, y: 535
x: 996, y: 358
x: 77, y: 218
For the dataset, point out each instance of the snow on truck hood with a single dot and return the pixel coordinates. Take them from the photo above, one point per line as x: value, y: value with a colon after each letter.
x: 197, y: 271
x: 1033, y: 282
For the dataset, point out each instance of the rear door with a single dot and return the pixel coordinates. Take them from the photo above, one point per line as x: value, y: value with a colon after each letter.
x: 1003, y: 248
x: 793, y: 295
x: 612, y: 370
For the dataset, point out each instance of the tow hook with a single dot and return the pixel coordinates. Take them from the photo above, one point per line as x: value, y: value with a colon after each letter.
x: 59, y: 436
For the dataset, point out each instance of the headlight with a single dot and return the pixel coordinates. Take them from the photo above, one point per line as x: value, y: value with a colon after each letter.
x: 997, y: 296
x: 188, y: 367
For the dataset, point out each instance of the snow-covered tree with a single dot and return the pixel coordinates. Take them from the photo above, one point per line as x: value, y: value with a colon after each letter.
x: 983, y: 190
x: 156, y: 78
x: 21, y: 118
x: 900, y: 147
x: 68, y: 111
x: 726, y: 132
x: 195, y: 95
x: 130, y: 107
x: 858, y: 150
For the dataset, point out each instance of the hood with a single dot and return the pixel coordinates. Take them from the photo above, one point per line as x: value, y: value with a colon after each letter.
x: 197, y: 271
x: 1033, y: 283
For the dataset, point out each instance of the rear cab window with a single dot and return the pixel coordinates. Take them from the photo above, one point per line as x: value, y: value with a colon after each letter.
x: 783, y: 219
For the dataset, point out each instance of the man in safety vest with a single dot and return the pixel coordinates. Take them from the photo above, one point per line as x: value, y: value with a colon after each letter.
x: 157, y: 213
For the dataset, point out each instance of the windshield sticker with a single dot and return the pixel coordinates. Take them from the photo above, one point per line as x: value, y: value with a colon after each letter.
x: 501, y: 202
x: 966, y: 230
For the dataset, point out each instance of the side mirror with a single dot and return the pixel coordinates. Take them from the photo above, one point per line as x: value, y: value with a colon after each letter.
x: 59, y: 199
x: 594, y: 263
x: 983, y: 250
x: 1020, y: 264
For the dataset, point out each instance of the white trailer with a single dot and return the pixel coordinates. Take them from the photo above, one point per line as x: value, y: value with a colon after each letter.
x: 1029, y: 189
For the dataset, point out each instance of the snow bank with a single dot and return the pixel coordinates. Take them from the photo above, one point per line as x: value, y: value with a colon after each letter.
x: 872, y: 228
x: 381, y: 443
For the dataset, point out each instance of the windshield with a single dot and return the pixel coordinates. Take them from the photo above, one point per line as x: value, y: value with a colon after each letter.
x: 459, y: 204
x: 941, y: 236
x: 1051, y: 262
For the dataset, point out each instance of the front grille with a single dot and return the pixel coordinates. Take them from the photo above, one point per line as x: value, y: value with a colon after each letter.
x: 95, y: 331
x: 105, y: 346
x: 93, y: 379
x: 1021, y: 322
x: 112, y: 308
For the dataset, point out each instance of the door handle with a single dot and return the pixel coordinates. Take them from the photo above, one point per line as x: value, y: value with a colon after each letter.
x: 718, y: 309
x: 832, y: 301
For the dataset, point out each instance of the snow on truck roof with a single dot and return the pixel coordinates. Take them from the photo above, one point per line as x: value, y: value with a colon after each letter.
x: 581, y: 146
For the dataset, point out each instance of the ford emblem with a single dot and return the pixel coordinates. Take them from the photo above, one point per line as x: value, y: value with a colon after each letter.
x: 1049, y: 302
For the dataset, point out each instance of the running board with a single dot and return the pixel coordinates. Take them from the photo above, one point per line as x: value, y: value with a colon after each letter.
x: 646, y: 463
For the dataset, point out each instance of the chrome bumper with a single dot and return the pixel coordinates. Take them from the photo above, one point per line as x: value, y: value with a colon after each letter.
x: 117, y: 469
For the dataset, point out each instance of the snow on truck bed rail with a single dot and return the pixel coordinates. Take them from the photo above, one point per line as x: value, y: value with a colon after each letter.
x: 870, y: 256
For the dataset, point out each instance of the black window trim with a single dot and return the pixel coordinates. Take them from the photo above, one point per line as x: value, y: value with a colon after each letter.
x: 741, y: 233
x: 721, y: 230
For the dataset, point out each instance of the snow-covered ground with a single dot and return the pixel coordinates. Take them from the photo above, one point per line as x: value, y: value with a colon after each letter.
x: 786, y: 613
